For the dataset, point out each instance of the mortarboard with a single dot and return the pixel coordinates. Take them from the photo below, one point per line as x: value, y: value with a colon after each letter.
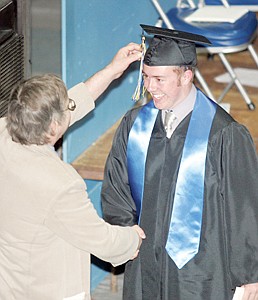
x: 172, y: 47
x: 168, y: 47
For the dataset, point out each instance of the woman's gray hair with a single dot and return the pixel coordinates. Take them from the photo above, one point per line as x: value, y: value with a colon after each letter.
x: 34, y: 104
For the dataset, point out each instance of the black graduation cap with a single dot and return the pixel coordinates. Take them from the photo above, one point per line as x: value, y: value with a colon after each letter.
x: 172, y: 47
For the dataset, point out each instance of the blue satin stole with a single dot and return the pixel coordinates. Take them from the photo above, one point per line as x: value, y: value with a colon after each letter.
x: 186, y: 220
x: 137, y: 148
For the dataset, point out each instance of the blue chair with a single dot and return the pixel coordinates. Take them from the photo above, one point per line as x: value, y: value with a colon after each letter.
x: 225, y: 37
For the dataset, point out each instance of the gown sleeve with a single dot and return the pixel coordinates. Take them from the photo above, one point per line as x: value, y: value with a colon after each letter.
x: 239, y: 190
x: 117, y: 203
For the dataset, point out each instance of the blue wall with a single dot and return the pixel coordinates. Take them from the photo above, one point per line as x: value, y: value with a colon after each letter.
x: 91, y: 34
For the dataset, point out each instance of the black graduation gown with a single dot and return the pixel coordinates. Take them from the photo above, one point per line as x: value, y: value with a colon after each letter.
x: 228, y: 254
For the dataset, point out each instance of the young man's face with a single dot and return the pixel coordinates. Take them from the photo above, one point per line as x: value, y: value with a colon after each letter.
x: 166, y: 85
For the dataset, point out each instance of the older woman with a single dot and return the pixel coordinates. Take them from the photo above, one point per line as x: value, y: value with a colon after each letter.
x: 48, y: 226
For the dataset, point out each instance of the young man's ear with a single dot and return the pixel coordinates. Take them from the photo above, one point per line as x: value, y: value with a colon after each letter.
x: 187, y: 77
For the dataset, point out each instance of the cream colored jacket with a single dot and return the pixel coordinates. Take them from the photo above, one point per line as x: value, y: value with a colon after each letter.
x: 48, y: 225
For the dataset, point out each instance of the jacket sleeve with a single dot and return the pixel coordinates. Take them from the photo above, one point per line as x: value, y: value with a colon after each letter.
x: 83, y: 100
x: 73, y: 218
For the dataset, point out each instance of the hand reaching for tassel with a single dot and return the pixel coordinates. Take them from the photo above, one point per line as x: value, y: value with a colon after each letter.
x: 124, y: 57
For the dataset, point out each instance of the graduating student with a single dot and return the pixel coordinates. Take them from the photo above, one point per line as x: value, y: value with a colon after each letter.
x: 187, y: 172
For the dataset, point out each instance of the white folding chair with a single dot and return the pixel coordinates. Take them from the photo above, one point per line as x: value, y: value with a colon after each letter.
x: 248, y: 4
x: 226, y: 37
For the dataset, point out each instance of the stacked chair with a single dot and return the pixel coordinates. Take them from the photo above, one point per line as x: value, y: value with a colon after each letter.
x: 249, y: 4
x: 226, y: 35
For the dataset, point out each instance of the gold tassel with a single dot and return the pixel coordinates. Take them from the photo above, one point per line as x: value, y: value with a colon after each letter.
x: 137, y: 94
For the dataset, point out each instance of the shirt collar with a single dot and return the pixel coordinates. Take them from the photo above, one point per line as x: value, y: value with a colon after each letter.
x: 182, y: 109
x: 186, y: 106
